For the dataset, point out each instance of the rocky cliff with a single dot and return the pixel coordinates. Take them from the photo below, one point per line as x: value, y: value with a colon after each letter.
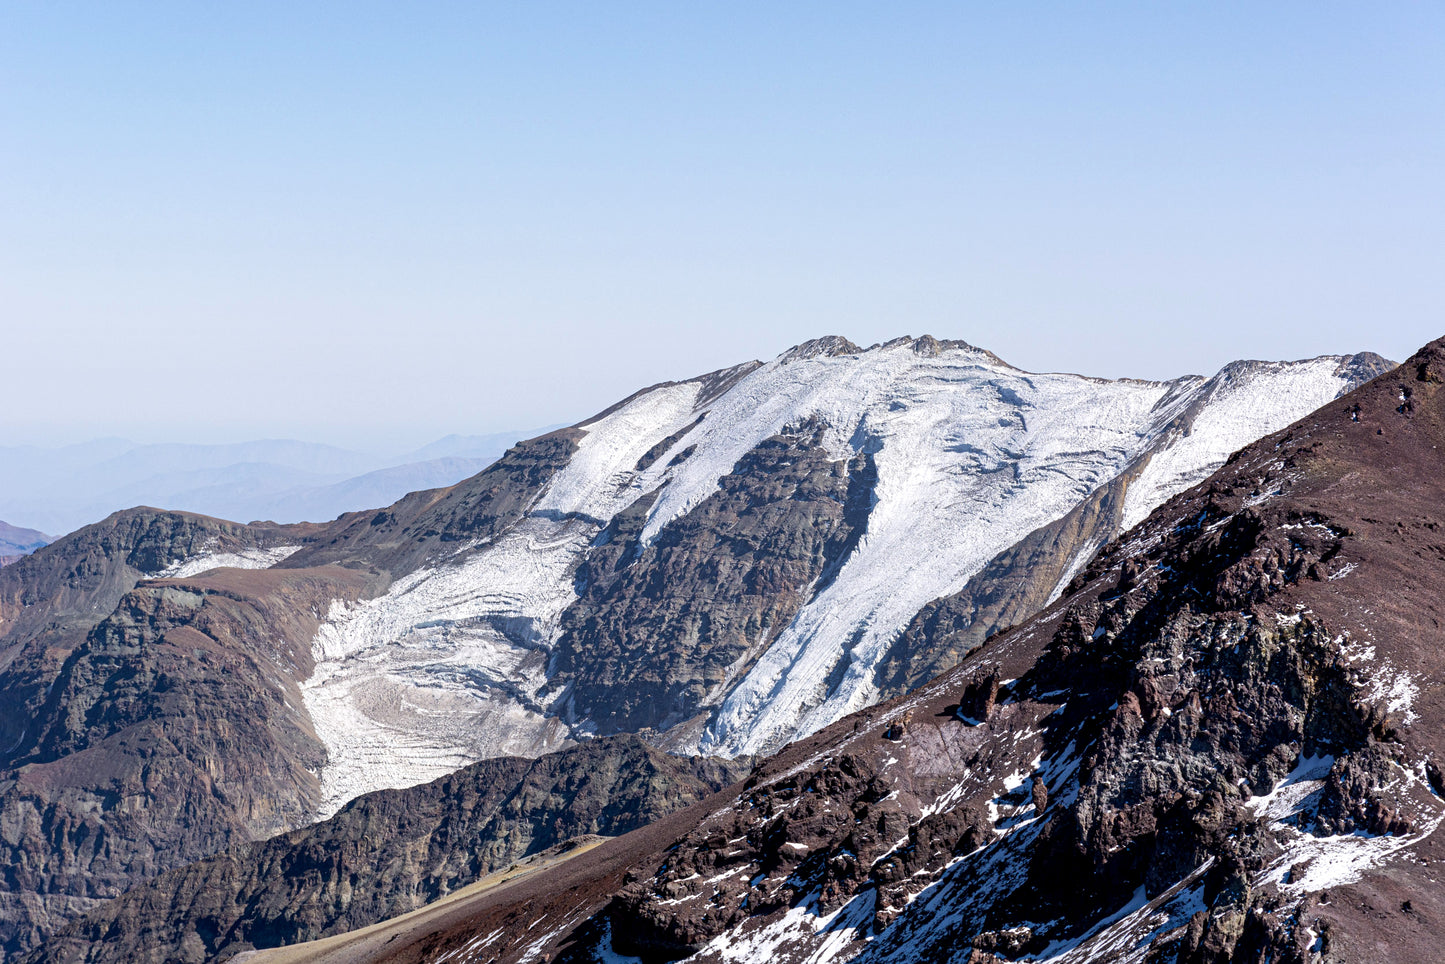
x: 389, y: 852
x: 147, y: 723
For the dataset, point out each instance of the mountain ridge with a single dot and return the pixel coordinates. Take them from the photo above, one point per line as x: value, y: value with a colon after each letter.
x: 62, y: 489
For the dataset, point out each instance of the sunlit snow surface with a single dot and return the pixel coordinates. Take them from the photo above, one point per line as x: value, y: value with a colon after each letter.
x: 426, y: 678
x: 1242, y: 404
x: 242, y: 559
x: 971, y: 454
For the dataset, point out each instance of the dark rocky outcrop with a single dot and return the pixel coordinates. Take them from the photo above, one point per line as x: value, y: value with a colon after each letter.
x: 389, y: 852
x: 172, y: 731
x: 659, y: 629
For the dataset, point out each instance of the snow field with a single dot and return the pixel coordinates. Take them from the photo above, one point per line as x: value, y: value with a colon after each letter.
x: 441, y: 670
x: 1241, y: 405
x: 971, y: 457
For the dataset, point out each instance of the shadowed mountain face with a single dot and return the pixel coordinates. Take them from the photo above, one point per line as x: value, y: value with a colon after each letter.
x: 723, y: 564
x: 1221, y: 744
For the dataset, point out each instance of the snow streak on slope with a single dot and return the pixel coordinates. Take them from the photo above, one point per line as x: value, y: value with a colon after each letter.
x: 971, y: 457
x: 1242, y: 403
x: 600, y: 479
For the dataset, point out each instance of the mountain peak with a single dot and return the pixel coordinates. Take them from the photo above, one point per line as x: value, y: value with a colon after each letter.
x: 832, y: 346
x: 827, y: 346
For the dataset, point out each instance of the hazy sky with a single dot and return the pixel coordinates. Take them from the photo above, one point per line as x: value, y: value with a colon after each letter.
x: 379, y: 223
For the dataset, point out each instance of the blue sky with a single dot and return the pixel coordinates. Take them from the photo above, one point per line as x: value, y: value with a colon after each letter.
x: 374, y: 224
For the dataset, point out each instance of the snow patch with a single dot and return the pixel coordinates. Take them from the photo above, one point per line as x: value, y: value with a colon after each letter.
x: 241, y: 559
x: 826, y: 937
x: 438, y: 672
x: 1395, y: 688
x: 444, y: 668
x: 1285, y: 799
x: 1343, y: 571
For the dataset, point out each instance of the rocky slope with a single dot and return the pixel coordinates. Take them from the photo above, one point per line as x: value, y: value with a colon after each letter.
x: 50, y: 600
x: 145, y: 723
x: 389, y: 852
x: 1222, y: 744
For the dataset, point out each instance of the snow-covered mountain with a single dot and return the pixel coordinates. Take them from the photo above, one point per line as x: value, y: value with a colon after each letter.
x: 16, y: 541
x: 719, y: 564
x: 1221, y: 743
x: 503, y: 644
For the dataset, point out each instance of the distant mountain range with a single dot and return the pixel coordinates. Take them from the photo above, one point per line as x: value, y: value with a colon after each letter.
x: 281, y: 480
x: 16, y: 542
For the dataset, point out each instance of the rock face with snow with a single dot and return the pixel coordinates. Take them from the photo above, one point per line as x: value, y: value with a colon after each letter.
x: 50, y: 600
x: 1220, y: 744
x: 660, y: 628
x: 143, y: 723
x: 735, y: 561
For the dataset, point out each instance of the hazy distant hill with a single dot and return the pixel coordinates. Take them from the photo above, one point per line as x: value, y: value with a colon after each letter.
x: 61, y: 489
x: 16, y: 542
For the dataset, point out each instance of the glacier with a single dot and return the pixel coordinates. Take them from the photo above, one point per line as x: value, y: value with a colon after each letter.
x: 449, y: 664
